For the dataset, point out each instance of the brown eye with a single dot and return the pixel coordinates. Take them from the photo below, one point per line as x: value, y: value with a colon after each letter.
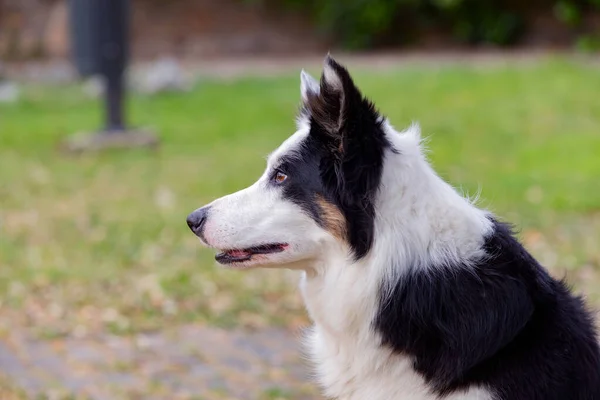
x: 280, y: 177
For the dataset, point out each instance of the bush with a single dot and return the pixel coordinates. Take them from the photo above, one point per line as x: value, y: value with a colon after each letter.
x: 371, y: 23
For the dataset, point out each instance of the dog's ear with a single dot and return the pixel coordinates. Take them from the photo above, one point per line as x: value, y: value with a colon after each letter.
x: 309, y: 87
x: 337, y: 108
x: 328, y: 105
x: 352, y: 132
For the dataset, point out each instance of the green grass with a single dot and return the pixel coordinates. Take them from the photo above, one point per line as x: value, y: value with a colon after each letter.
x: 100, y: 241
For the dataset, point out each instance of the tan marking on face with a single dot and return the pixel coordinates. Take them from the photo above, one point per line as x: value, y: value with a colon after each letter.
x: 333, y: 219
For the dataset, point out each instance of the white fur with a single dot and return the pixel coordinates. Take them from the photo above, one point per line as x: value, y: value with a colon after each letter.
x: 420, y: 221
x: 331, y: 77
x: 308, y: 85
x: 259, y: 215
x: 428, y: 222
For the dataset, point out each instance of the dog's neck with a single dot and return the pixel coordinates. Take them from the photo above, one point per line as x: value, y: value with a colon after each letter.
x: 339, y: 297
x: 421, y: 222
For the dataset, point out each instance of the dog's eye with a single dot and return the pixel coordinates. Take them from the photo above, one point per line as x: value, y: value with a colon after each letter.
x: 279, y: 177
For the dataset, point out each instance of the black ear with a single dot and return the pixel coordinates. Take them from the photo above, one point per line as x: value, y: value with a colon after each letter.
x: 337, y: 107
x: 331, y: 104
x: 353, y: 136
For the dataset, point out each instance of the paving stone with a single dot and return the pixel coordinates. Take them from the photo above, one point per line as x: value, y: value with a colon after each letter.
x: 187, y: 362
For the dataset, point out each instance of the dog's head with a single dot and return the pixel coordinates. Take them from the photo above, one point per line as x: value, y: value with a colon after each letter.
x: 318, y: 191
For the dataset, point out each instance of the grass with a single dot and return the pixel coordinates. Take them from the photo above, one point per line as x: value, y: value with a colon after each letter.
x: 99, y: 242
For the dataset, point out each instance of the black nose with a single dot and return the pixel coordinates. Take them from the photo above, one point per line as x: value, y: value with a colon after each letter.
x: 197, y: 220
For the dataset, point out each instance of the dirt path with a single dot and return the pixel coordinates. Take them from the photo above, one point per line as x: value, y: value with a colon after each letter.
x: 61, y: 71
x: 189, y: 362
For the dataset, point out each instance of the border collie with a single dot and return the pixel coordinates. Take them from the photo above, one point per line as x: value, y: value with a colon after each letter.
x: 415, y: 293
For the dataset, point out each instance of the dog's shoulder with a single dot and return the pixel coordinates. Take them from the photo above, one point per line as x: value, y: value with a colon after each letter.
x: 471, y: 323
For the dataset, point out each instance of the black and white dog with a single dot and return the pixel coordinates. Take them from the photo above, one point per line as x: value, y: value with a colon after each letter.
x: 415, y: 293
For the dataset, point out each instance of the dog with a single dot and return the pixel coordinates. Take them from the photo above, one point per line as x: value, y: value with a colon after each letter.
x: 415, y: 292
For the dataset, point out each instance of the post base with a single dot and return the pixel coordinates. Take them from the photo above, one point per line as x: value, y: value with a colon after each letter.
x: 107, y: 140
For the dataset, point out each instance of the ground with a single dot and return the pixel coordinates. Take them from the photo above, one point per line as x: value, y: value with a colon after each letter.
x: 100, y: 275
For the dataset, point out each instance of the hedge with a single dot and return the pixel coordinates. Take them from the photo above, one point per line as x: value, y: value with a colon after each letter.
x: 372, y: 23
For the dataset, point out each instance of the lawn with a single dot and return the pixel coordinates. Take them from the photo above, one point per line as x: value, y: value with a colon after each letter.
x: 99, y: 242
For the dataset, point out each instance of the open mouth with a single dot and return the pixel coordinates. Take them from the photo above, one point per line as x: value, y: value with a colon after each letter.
x: 241, y: 255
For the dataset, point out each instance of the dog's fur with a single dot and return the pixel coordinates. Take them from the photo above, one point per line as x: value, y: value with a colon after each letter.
x: 415, y: 293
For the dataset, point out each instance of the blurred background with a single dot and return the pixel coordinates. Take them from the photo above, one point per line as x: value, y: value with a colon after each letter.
x: 118, y: 118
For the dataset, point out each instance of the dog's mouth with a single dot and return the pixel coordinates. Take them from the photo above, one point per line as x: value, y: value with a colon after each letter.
x: 241, y: 255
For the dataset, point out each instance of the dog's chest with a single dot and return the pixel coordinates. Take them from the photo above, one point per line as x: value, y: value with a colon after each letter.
x: 349, y: 371
x: 349, y: 361
x: 358, y: 371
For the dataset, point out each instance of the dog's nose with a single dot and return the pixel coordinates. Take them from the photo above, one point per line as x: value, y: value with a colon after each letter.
x: 197, y: 220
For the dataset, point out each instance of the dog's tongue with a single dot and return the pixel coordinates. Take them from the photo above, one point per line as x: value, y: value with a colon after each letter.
x: 238, y: 253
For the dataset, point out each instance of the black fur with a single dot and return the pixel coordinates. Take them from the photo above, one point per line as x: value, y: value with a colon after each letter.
x: 342, y: 158
x: 503, y: 323
x: 304, y: 183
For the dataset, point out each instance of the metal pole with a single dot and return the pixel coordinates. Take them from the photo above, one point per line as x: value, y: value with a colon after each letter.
x: 113, y: 96
x: 100, y: 39
x: 114, y: 16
